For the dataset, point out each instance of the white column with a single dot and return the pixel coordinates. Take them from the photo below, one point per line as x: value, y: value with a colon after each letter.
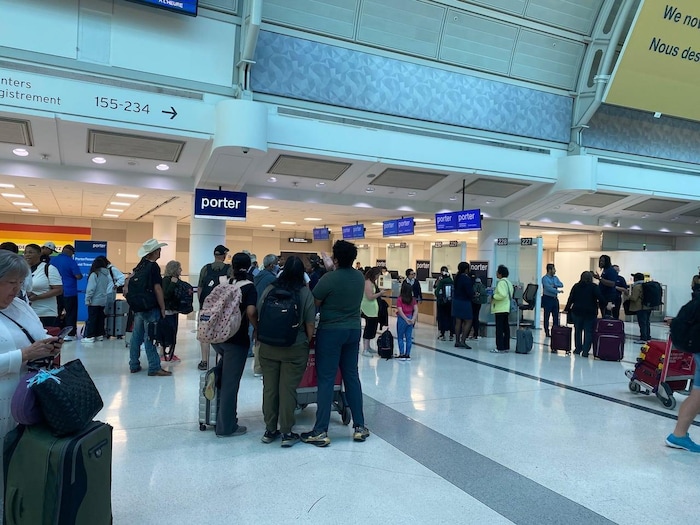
x: 205, y: 235
x: 491, y: 231
x: 165, y: 230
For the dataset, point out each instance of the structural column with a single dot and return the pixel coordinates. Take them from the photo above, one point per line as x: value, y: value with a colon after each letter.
x: 205, y: 235
x: 165, y: 230
x: 488, y: 249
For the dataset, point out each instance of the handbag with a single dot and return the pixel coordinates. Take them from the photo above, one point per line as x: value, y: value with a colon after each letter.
x: 67, y: 396
x: 24, y: 406
x: 626, y: 307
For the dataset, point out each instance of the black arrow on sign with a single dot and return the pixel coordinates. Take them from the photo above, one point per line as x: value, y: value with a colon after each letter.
x: 171, y: 112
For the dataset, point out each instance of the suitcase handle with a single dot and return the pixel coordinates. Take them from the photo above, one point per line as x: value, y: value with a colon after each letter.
x: 12, y: 506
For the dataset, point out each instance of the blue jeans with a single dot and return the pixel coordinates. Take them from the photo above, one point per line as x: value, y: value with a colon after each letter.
x: 229, y: 371
x: 141, y: 319
x: 337, y: 348
x: 551, y: 308
x: 644, y: 322
x: 583, y: 332
x: 404, y: 332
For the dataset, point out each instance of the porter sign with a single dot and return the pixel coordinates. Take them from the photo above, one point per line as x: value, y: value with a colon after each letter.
x: 217, y: 204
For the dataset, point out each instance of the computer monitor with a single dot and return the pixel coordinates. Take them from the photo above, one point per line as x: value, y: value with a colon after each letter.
x: 489, y: 282
x: 394, y: 274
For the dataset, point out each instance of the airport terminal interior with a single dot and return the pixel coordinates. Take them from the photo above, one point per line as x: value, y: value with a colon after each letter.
x: 565, y: 129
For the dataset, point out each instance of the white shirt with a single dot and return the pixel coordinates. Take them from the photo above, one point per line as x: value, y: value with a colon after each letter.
x: 40, y: 285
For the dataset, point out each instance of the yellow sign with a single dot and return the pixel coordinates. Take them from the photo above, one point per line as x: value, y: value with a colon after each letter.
x: 659, y: 70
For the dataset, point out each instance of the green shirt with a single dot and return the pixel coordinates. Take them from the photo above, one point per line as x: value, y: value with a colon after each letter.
x: 340, y: 293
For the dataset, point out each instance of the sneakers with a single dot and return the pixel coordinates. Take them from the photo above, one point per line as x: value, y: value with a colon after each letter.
x: 406, y: 357
x: 238, y: 432
x: 269, y: 436
x: 100, y: 338
x: 452, y: 337
x: 172, y: 359
x: 210, y: 387
x: 361, y: 433
x: 69, y: 338
x: 289, y: 440
x: 366, y: 352
x: 497, y: 351
x: 160, y: 373
x: 202, y: 365
x: 88, y: 339
x: 320, y: 439
x: 684, y: 443
x: 441, y: 338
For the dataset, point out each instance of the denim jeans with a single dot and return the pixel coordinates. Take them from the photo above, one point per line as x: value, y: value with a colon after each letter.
x: 551, y: 308
x: 140, y: 335
x: 337, y: 348
x: 229, y: 371
x: 583, y: 332
x: 404, y: 332
x: 644, y: 321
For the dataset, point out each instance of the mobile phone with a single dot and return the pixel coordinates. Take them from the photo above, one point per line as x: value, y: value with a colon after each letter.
x: 63, y: 333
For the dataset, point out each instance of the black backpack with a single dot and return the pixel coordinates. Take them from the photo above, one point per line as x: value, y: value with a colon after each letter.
x: 652, y: 294
x: 685, y: 328
x: 279, y: 318
x: 211, y: 280
x: 139, y: 290
x: 385, y: 345
x: 183, y: 297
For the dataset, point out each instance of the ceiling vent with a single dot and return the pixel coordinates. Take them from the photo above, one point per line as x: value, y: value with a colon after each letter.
x: 408, y: 179
x: 596, y: 200
x: 308, y: 168
x: 656, y: 206
x: 134, y: 146
x: 16, y: 132
x: 493, y: 188
x: 692, y: 213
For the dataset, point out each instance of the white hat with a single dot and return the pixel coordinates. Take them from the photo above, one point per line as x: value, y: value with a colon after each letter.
x: 50, y: 245
x: 150, y: 246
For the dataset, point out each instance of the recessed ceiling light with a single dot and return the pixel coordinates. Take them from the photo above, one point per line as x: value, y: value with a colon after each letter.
x: 22, y: 203
x: 453, y: 198
x: 377, y: 224
x: 162, y: 167
x: 267, y: 225
x: 320, y: 184
x: 99, y: 160
x: 30, y: 210
x: 287, y: 222
x: 115, y: 203
x: 312, y: 219
x: 688, y: 232
x: 3, y: 185
x: 20, y: 152
x: 272, y: 179
x: 257, y: 207
x: 489, y: 202
x: 113, y: 215
x: 422, y: 220
x: 127, y: 195
x: 411, y: 193
x: 369, y: 190
x: 13, y: 195
x: 114, y: 209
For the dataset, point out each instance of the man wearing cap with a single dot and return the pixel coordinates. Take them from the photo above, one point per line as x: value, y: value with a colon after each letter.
x: 211, y: 275
x: 47, y: 249
x: 70, y: 275
x: 265, y: 277
x: 147, y: 275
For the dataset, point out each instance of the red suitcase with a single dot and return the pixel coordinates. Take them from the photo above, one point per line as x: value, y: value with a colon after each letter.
x: 561, y: 338
x: 609, y: 339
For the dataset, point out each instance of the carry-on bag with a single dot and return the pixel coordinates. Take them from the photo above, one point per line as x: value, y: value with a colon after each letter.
x: 609, y: 339
x: 523, y: 341
x: 58, y: 480
x: 561, y: 339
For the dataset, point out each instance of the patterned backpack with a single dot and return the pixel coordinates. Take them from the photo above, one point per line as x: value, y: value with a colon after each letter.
x: 220, y: 316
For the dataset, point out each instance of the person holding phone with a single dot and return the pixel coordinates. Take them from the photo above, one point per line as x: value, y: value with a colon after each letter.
x: 22, y: 337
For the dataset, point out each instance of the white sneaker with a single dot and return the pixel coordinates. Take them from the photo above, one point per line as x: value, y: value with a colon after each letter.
x: 88, y: 339
x: 69, y: 338
x: 99, y: 338
x: 367, y: 353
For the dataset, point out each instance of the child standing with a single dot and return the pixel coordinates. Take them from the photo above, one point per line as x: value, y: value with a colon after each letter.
x: 406, y: 315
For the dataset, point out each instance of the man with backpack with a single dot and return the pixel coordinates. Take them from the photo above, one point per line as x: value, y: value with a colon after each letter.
x: 637, y: 307
x: 264, y: 277
x: 211, y: 275
x: 144, y: 293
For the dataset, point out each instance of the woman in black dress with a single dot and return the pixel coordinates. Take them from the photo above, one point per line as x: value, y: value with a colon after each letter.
x: 462, y: 304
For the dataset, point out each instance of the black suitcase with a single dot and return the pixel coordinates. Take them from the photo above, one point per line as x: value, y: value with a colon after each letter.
x: 561, y: 338
x: 58, y: 481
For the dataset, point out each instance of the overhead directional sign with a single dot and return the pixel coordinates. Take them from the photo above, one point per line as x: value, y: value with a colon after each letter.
x: 22, y: 90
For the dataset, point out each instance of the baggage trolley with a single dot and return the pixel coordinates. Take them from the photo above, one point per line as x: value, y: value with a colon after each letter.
x: 662, y: 369
x: 307, y: 391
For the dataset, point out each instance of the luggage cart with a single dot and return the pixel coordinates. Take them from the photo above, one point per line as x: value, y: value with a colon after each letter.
x: 662, y: 369
x: 307, y: 391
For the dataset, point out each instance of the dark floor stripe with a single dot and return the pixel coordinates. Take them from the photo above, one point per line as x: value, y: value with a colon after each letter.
x: 516, y: 497
x: 667, y: 415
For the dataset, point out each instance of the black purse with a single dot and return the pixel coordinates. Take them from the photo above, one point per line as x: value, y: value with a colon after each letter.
x: 67, y: 396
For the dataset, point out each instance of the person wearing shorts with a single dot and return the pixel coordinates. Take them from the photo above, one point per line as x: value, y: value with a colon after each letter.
x: 690, y: 408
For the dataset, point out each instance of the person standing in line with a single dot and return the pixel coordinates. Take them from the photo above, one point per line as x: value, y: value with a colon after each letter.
x: 621, y: 287
x: 370, y: 309
x: 283, y: 367
x: 406, y: 315
x: 443, y: 291
x: 46, y: 285
x: 338, y: 295
x: 500, y: 307
x: 211, y: 275
x: 584, y: 300
x: 480, y: 297
x: 68, y: 300
x: 171, y: 276
x: 96, y: 298
x: 149, y: 253
x: 416, y: 289
x: 27, y: 284
x: 47, y: 250
x: 607, y: 281
x: 462, y: 305
x: 551, y: 288
x: 265, y: 276
x: 233, y: 352
x: 637, y: 307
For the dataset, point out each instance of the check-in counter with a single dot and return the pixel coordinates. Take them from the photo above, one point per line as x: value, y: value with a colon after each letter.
x: 426, y: 309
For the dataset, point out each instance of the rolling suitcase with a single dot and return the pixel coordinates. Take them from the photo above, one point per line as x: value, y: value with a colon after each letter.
x: 207, y: 409
x: 609, y: 339
x: 62, y: 481
x: 116, y: 318
x: 561, y: 339
x: 523, y: 341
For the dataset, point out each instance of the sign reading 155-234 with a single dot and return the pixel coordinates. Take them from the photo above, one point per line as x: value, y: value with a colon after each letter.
x: 23, y: 90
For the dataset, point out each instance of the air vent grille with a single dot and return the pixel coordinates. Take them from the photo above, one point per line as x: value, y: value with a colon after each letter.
x: 596, y: 200
x: 14, y: 131
x: 308, y: 168
x: 134, y: 146
x: 412, y: 180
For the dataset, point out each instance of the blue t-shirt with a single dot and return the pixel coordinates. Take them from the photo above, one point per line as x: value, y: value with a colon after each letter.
x: 68, y: 269
x: 609, y: 291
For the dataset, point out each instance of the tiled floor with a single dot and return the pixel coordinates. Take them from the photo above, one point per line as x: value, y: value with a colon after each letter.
x: 458, y: 436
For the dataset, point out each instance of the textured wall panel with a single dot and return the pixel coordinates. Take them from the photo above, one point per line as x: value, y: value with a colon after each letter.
x: 547, y: 59
x: 576, y: 15
x: 302, y: 69
x: 332, y: 17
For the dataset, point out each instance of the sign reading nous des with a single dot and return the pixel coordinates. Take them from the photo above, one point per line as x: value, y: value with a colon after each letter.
x: 403, y: 226
x: 354, y: 231
x: 465, y: 220
x: 218, y: 204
